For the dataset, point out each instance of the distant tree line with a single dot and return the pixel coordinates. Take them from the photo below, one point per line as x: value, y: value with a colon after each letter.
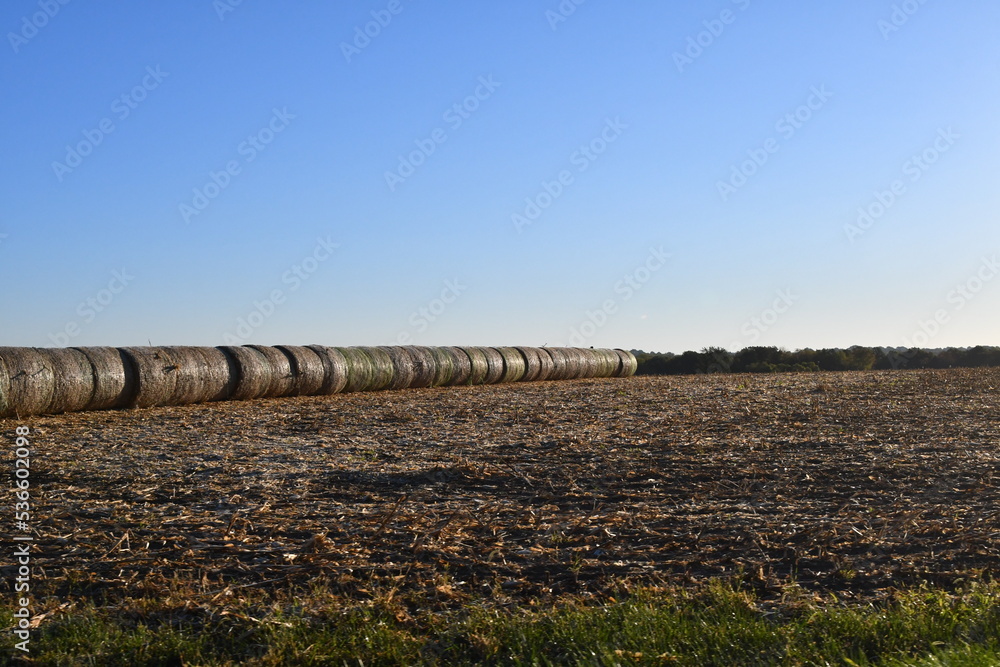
x: 776, y: 360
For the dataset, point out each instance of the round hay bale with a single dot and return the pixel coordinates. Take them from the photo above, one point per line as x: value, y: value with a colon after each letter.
x: 29, y: 383
x: 282, y: 378
x: 461, y: 366
x: 478, y: 366
x: 443, y: 367
x: 629, y: 364
x: 494, y: 364
x: 114, y: 379
x: 513, y: 364
x: 382, y: 368
x: 589, y: 363
x: 424, y: 366
x: 557, y: 358
x: 252, y: 375
x: 74, y: 379
x: 307, y: 368
x: 607, y: 362
x: 4, y: 392
x: 402, y: 367
x: 203, y: 374
x: 574, y: 363
x: 155, y: 375
x: 334, y: 369
x: 538, y: 364
x: 360, y: 371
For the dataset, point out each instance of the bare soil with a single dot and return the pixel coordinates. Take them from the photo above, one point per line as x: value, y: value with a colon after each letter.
x: 848, y: 483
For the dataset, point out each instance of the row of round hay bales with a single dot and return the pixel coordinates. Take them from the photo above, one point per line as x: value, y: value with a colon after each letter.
x: 51, y: 380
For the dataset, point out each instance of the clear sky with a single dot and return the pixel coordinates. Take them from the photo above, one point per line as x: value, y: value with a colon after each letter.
x: 654, y: 175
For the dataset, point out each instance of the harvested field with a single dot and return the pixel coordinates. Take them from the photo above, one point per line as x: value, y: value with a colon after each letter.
x: 848, y: 483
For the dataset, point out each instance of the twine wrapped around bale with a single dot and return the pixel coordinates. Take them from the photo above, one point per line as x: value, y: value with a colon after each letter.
x: 461, y: 366
x: 424, y: 366
x: 334, y: 369
x: 253, y: 375
x: 155, y: 376
x: 513, y: 364
x: 307, y: 368
x: 443, y: 367
x: 629, y: 364
x: 382, y: 367
x: 282, y: 378
x: 73, y: 376
x: 402, y: 367
x: 478, y: 366
x: 113, y: 377
x: 27, y: 383
x: 359, y: 369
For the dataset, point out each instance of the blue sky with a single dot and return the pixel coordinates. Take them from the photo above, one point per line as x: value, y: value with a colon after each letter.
x: 652, y: 175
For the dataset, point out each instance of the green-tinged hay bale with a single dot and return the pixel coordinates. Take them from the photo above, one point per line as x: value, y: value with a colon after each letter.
x: 27, y: 383
x: 424, y: 365
x: 494, y: 364
x: 478, y: 366
x: 360, y: 371
x: 443, y: 367
x: 282, y: 378
x: 74, y: 379
x: 513, y: 364
x: 114, y: 378
x: 382, y: 368
x: 202, y: 375
x: 253, y: 374
x: 402, y: 367
x: 155, y: 376
x: 629, y: 364
x: 307, y: 369
x: 461, y: 367
x: 607, y: 361
x: 537, y: 364
x: 334, y: 369
x: 588, y: 361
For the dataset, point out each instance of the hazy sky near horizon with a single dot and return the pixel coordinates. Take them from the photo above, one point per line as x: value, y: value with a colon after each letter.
x: 651, y: 175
